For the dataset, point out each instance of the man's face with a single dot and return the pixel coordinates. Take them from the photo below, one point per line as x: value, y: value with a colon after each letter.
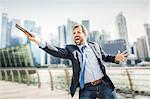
x: 78, y: 36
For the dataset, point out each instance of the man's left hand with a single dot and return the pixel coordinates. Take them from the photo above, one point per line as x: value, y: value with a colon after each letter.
x: 120, y: 57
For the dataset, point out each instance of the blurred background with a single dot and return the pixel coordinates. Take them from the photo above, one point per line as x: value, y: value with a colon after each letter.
x: 113, y: 24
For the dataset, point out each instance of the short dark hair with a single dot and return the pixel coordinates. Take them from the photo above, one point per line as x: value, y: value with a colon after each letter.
x: 84, y: 30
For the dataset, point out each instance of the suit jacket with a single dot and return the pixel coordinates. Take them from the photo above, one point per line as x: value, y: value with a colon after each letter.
x: 73, y: 53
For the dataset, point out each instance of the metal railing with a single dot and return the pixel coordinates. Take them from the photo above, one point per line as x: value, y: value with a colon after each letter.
x: 131, y: 80
x: 128, y: 80
x: 20, y: 75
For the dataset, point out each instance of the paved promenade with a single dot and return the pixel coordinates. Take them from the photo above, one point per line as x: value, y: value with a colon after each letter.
x: 9, y: 90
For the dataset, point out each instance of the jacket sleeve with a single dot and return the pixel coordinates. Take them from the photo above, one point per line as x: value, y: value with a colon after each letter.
x: 56, y: 51
x: 106, y: 57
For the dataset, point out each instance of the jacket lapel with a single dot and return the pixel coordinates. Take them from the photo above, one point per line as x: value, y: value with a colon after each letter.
x: 96, y: 52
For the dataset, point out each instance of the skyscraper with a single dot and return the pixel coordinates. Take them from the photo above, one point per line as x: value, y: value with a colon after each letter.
x: 54, y: 60
x: 122, y: 28
x: 105, y: 36
x: 142, y: 50
x: 62, y: 38
x: 31, y: 27
x: 94, y: 36
x: 16, y: 34
x: 86, y: 23
x: 10, y: 35
x: 62, y: 35
x: 70, y: 25
x: 4, y: 32
x: 147, y: 29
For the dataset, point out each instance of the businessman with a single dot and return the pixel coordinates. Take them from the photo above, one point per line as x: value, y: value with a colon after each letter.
x: 88, y: 71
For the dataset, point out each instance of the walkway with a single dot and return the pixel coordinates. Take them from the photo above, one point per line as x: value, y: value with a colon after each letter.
x: 9, y: 90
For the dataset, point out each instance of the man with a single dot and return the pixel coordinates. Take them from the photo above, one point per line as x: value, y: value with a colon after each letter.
x: 88, y: 71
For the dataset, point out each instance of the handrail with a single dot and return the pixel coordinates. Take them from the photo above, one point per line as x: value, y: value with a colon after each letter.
x: 130, y: 76
x: 18, y: 70
x: 135, y: 76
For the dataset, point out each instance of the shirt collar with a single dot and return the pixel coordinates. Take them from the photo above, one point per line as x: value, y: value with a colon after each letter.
x: 80, y: 46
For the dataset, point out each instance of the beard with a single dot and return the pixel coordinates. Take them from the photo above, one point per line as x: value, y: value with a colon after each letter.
x: 78, y: 41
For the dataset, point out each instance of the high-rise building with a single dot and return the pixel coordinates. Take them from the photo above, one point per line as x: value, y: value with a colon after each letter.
x: 16, y: 35
x: 132, y: 58
x: 10, y: 35
x: 142, y: 50
x: 94, y: 36
x: 111, y: 47
x: 31, y: 27
x: 122, y: 28
x: 4, y: 32
x: 55, y: 60
x: 70, y: 25
x: 134, y: 49
x: 62, y: 36
x: 147, y: 29
x: 105, y: 36
x: 86, y: 23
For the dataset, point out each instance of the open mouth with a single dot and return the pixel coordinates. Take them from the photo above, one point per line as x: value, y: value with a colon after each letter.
x: 77, y: 38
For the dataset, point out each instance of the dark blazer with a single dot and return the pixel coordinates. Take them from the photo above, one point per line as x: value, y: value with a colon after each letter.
x: 73, y: 53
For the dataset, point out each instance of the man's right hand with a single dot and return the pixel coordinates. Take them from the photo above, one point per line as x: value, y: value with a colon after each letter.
x: 32, y: 37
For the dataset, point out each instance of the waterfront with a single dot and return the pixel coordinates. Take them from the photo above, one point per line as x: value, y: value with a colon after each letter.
x: 53, y: 83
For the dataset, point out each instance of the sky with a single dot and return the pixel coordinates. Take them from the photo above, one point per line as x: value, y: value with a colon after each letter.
x: 49, y: 14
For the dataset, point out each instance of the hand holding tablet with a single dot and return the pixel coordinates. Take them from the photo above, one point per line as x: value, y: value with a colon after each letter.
x: 31, y: 37
x: 24, y: 31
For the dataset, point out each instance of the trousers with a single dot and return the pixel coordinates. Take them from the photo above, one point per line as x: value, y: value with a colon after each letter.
x: 100, y: 91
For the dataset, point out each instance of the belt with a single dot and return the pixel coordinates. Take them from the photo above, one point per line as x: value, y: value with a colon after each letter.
x: 96, y: 82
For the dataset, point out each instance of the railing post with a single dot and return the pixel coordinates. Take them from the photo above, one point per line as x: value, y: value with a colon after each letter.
x: 51, y: 78
x: 68, y: 81
x: 130, y: 84
x: 19, y: 76
x: 5, y: 72
x: 67, y: 77
x: 0, y: 74
x: 12, y: 75
x: 39, y: 81
x: 28, y: 79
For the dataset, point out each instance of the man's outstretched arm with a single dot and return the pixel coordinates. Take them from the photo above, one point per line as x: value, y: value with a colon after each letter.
x: 55, y: 51
x: 119, y: 57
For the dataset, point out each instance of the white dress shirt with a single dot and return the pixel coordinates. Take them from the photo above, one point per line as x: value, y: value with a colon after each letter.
x: 92, y: 68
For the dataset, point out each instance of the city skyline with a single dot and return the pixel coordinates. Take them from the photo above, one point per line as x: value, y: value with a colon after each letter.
x: 50, y: 14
